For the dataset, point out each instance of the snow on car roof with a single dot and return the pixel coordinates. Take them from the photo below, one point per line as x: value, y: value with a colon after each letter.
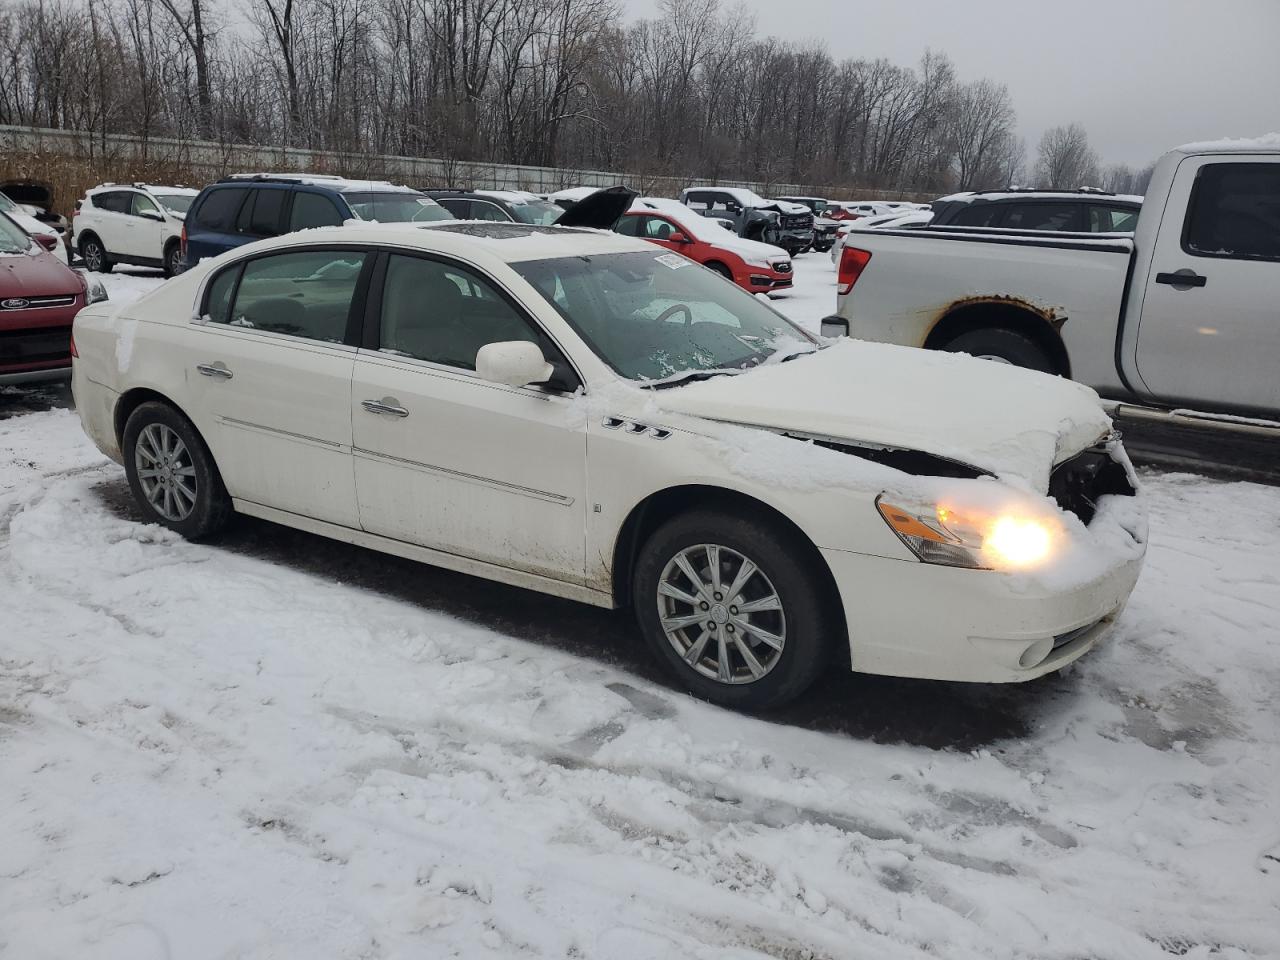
x: 573, y: 193
x: 151, y: 187
x: 510, y: 196
x: 970, y: 196
x: 1268, y: 142
x: 341, y: 184
x: 748, y: 198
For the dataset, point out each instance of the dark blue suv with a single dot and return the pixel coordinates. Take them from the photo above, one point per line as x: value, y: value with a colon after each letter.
x: 243, y: 208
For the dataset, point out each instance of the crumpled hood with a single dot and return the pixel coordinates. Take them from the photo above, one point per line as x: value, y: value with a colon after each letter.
x: 1013, y: 423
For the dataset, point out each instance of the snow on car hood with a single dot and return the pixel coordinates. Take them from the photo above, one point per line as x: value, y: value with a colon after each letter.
x: 1013, y: 423
x: 752, y: 249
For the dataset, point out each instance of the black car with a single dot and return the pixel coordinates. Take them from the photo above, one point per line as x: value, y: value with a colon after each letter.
x: 503, y: 206
x: 1078, y: 211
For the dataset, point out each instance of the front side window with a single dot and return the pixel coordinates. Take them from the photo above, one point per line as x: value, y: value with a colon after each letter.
x: 385, y: 207
x: 1235, y: 212
x: 444, y: 313
x: 312, y: 210
x: 144, y: 204
x: 628, y: 225
x: 540, y: 212
x: 219, y: 209
x: 484, y: 210
x: 302, y: 294
x: 651, y: 316
x: 260, y: 217
x: 656, y: 228
x: 1103, y: 219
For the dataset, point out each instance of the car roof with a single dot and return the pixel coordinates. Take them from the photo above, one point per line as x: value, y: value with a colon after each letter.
x: 149, y: 187
x: 322, y: 180
x: 1002, y: 195
x: 508, y: 242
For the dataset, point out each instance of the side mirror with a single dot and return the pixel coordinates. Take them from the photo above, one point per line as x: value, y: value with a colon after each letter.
x: 46, y: 240
x: 833, y: 327
x: 677, y: 237
x: 517, y: 363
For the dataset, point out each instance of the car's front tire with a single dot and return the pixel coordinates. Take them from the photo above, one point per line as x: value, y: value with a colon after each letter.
x: 94, y: 255
x: 173, y: 259
x: 734, y: 607
x: 172, y: 474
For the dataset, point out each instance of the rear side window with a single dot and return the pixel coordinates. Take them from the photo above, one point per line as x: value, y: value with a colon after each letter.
x: 260, y: 216
x: 303, y: 294
x: 1043, y: 216
x: 117, y: 201
x: 1235, y: 212
x: 977, y: 215
x: 219, y: 209
x: 457, y: 207
x: 313, y: 210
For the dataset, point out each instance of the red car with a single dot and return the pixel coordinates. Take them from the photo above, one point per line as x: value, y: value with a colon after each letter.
x: 39, y: 297
x: 754, y: 266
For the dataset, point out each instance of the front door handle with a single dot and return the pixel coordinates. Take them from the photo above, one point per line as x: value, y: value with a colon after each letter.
x: 1183, y: 279
x: 387, y: 406
x: 217, y: 369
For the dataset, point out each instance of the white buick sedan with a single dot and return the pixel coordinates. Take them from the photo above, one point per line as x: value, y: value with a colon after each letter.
x: 579, y: 413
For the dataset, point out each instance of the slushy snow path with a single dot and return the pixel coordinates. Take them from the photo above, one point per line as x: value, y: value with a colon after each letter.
x: 204, y: 754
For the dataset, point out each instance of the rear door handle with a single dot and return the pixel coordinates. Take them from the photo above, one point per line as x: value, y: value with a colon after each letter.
x: 217, y: 369
x: 387, y: 406
x: 1183, y: 279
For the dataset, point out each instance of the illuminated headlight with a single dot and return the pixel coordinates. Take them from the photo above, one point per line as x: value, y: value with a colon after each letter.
x: 977, y: 539
x: 94, y: 292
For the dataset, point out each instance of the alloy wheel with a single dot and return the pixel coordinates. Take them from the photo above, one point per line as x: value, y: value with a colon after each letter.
x: 165, y: 471
x: 721, y: 614
x: 92, y: 256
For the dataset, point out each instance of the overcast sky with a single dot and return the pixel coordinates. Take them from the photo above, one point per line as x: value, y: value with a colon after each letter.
x: 1141, y: 75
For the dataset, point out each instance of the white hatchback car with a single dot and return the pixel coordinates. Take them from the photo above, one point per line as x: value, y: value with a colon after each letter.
x: 131, y: 223
x: 582, y: 414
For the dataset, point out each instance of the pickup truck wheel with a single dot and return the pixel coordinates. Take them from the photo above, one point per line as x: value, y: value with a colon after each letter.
x: 1003, y: 346
x: 732, y: 608
x: 172, y: 474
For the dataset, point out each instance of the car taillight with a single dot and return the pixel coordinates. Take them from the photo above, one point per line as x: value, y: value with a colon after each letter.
x: 74, y: 352
x: 182, y: 240
x: 852, y: 262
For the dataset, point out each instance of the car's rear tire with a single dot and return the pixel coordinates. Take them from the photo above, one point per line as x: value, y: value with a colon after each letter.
x: 721, y: 269
x: 172, y: 474
x: 173, y: 259
x: 750, y: 659
x: 1003, y: 346
x: 94, y: 255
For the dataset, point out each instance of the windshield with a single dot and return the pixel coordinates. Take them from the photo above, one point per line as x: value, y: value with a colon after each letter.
x: 175, y: 202
x: 396, y: 207
x: 12, y: 237
x: 7, y: 205
x: 541, y: 212
x: 651, y: 316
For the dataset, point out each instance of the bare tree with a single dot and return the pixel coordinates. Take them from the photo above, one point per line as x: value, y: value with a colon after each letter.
x: 1066, y: 161
x: 981, y: 125
x: 189, y: 16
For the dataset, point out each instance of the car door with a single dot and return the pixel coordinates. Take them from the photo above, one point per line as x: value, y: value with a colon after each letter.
x: 270, y: 370
x: 1209, y: 331
x: 111, y: 221
x: 145, y: 232
x: 446, y: 459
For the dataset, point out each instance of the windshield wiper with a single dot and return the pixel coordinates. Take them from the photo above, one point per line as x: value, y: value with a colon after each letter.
x: 689, y: 376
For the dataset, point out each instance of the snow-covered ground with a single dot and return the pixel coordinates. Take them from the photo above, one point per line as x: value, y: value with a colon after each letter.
x: 253, y: 750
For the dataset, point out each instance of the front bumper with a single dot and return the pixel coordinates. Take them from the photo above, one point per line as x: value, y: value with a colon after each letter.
x: 911, y: 619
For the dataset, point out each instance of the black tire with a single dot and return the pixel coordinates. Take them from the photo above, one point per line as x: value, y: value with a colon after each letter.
x: 94, y: 255
x: 788, y: 564
x: 211, y: 509
x: 173, y: 259
x: 1009, y: 346
x: 721, y: 269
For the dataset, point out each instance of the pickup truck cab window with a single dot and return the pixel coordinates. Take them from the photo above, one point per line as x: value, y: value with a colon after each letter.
x: 1234, y: 212
x: 1110, y: 219
x: 301, y: 294
x: 443, y: 313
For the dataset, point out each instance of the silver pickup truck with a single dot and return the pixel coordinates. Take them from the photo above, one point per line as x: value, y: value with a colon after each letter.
x: 1180, y: 319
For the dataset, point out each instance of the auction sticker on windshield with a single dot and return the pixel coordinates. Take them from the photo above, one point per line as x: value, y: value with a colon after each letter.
x: 673, y: 260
